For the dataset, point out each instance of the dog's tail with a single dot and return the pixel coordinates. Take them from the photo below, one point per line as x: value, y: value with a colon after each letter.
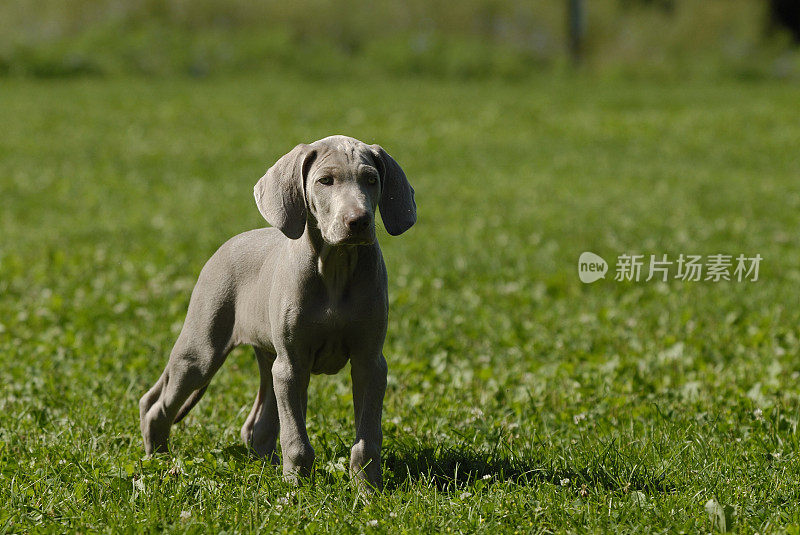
x: 194, y: 397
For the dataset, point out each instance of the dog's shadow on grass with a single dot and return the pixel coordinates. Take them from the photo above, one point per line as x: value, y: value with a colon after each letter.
x: 452, y: 469
x: 237, y: 452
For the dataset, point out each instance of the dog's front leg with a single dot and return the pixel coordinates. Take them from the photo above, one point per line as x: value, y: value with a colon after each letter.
x: 369, y: 386
x: 290, y: 382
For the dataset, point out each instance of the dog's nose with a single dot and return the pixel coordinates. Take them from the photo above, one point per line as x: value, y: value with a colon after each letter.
x: 357, y: 221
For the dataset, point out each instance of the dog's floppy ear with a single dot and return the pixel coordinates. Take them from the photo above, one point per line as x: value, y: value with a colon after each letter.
x: 398, y: 209
x: 280, y: 193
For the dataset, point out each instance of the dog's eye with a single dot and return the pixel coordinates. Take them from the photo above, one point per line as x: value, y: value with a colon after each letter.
x: 372, y: 179
x: 326, y: 180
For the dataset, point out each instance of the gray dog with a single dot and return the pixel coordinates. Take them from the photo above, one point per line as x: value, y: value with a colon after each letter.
x: 308, y: 295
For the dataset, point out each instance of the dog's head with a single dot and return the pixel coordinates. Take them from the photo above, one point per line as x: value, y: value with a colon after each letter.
x: 336, y: 184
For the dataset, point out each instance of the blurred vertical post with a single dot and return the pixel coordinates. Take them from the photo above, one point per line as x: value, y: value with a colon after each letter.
x: 576, y: 25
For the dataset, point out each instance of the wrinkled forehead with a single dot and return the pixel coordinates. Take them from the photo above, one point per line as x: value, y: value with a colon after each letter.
x: 342, y: 152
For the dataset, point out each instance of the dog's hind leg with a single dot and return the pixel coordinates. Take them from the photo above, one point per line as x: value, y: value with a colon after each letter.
x: 260, y: 430
x: 152, y: 395
x: 192, y: 364
x: 194, y: 397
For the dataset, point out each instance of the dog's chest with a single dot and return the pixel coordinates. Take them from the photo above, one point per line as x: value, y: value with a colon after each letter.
x: 330, y: 356
x: 331, y: 323
x: 333, y: 328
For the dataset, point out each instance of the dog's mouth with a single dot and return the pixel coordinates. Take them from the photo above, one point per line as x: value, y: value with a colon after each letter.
x: 359, y: 240
x: 341, y: 236
x: 364, y: 238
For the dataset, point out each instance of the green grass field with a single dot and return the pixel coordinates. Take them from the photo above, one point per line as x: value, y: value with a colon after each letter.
x: 519, y: 399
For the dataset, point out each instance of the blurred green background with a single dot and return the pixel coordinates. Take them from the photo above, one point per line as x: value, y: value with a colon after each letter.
x: 470, y: 38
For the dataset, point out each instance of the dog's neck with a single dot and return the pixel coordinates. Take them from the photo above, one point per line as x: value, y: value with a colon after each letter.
x: 335, y: 264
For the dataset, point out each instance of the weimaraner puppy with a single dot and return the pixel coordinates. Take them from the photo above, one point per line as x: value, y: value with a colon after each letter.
x: 307, y: 295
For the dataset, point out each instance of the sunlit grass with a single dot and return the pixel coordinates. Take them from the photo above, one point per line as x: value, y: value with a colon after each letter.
x: 518, y: 399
